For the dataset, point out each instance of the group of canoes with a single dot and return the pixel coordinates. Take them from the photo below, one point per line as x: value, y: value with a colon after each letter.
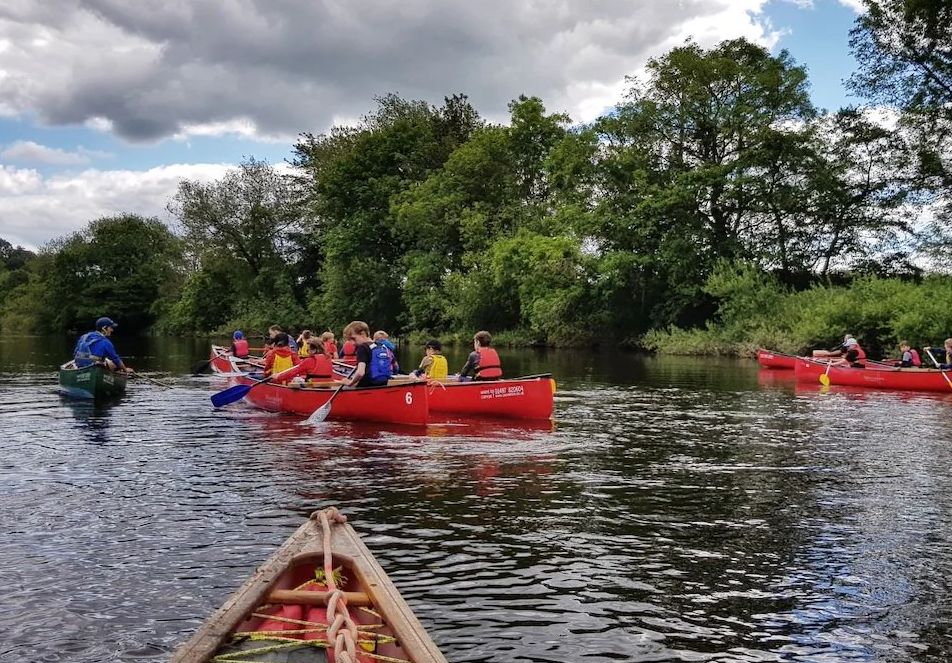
x: 906, y: 373
x: 404, y: 399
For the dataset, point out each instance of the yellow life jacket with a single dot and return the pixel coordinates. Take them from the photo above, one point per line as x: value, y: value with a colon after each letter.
x: 438, y: 370
x: 302, y: 350
x: 281, y: 363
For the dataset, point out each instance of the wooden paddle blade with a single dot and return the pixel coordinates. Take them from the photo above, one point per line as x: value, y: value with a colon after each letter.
x: 230, y: 395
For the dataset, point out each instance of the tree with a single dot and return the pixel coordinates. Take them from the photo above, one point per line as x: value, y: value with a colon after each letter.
x: 680, y: 170
x: 904, y: 50
x: 125, y: 267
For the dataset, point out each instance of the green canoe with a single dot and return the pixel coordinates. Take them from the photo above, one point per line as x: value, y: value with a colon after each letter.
x: 92, y: 382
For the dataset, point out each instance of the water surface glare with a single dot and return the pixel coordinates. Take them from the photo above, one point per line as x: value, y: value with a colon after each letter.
x: 677, y: 510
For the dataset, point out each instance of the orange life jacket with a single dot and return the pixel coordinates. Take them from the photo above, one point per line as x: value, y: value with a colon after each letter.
x: 489, y: 365
x: 240, y: 347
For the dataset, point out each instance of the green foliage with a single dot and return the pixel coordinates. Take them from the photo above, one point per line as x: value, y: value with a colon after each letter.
x: 756, y: 311
x: 124, y: 267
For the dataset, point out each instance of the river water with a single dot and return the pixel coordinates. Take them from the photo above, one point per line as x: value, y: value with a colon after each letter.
x: 677, y: 510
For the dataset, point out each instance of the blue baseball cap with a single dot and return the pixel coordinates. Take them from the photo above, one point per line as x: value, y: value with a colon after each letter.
x: 238, y: 335
x: 105, y: 322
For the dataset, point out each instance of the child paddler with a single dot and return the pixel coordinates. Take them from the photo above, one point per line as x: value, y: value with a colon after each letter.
x: 483, y: 362
x: 95, y: 348
x: 374, y: 361
x: 316, y: 366
x: 434, y: 363
x: 281, y: 358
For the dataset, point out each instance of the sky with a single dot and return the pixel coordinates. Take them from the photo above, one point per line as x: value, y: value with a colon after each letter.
x: 106, y: 105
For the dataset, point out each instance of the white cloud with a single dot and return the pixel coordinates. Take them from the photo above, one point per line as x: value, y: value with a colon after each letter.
x: 274, y: 68
x: 26, y: 151
x: 856, y: 5
x: 35, y: 209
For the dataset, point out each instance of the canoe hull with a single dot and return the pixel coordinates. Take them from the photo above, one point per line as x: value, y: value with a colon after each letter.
x: 873, y: 376
x: 776, y: 360
x: 403, y: 404
x: 396, y: 632
x: 91, y: 383
x: 505, y: 399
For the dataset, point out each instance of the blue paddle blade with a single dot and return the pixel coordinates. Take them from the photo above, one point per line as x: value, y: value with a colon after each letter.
x: 230, y: 395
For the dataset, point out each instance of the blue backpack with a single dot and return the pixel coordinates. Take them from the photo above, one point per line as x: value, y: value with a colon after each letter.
x: 381, y: 363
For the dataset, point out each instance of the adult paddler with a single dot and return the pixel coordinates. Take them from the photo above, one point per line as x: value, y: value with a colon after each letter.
x: 95, y: 348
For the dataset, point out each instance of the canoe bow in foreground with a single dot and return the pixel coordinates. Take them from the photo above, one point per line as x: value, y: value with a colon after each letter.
x: 284, y: 606
x: 874, y: 376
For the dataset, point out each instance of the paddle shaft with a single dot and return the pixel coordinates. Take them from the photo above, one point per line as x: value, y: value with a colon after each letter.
x: 148, y: 379
x: 947, y: 380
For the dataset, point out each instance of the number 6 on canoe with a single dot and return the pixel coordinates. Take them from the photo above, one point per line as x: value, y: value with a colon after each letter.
x: 944, y: 374
x: 236, y: 393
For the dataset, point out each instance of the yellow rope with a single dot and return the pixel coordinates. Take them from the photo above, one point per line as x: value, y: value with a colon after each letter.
x: 286, y: 644
x: 300, y: 622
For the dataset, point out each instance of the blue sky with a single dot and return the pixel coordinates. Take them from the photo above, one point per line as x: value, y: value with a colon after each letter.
x: 104, y: 108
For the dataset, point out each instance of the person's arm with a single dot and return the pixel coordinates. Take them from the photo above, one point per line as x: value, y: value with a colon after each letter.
x: 472, y: 362
x: 268, y: 363
x: 109, y: 352
x: 357, y: 375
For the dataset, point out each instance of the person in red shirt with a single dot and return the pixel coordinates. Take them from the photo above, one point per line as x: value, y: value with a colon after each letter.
x: 330, y: 345
x: 316, y: 366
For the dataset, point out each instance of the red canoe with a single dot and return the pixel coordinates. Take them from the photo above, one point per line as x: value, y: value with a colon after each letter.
x: 399, y: 404
x: 223, y: 362
x: 874, y: 376
x: 519, y: 398
x: 771, y: 359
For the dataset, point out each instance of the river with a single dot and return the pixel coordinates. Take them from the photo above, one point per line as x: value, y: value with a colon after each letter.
x: 677, y: 510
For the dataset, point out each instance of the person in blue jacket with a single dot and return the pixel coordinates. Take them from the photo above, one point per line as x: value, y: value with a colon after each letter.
x: 95, y: 348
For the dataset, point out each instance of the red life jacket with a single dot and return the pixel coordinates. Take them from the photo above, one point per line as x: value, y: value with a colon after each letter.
x: 860, y: 353
x: 240, y: 348
x: 489, y: 365
x: 916, y: 361
x: 320, y: 367
x: 350, y: 353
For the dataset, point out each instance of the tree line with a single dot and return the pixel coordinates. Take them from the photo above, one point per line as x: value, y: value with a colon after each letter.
x: 423, y: 218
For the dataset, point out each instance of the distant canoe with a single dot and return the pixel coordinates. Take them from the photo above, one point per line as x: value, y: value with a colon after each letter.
x: 773, y: 359
x: 222, y: 361
x: 281, y: 612
x: 874, y: 376
x: 94, y: 382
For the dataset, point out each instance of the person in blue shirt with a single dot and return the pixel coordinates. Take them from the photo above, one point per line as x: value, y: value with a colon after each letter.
x: 95, y: 348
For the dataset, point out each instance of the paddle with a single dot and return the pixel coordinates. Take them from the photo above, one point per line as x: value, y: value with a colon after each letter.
x: 948, y: 381
x: 140, y: 376
x: 825, y: 378
x: 199, y: 368
x: 320, y: 414
x: 236, y: 393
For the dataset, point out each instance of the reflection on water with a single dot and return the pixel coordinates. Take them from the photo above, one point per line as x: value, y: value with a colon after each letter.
x: 676, y: 510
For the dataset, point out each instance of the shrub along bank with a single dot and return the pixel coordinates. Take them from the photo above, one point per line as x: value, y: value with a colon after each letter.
x: 755, y: 310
